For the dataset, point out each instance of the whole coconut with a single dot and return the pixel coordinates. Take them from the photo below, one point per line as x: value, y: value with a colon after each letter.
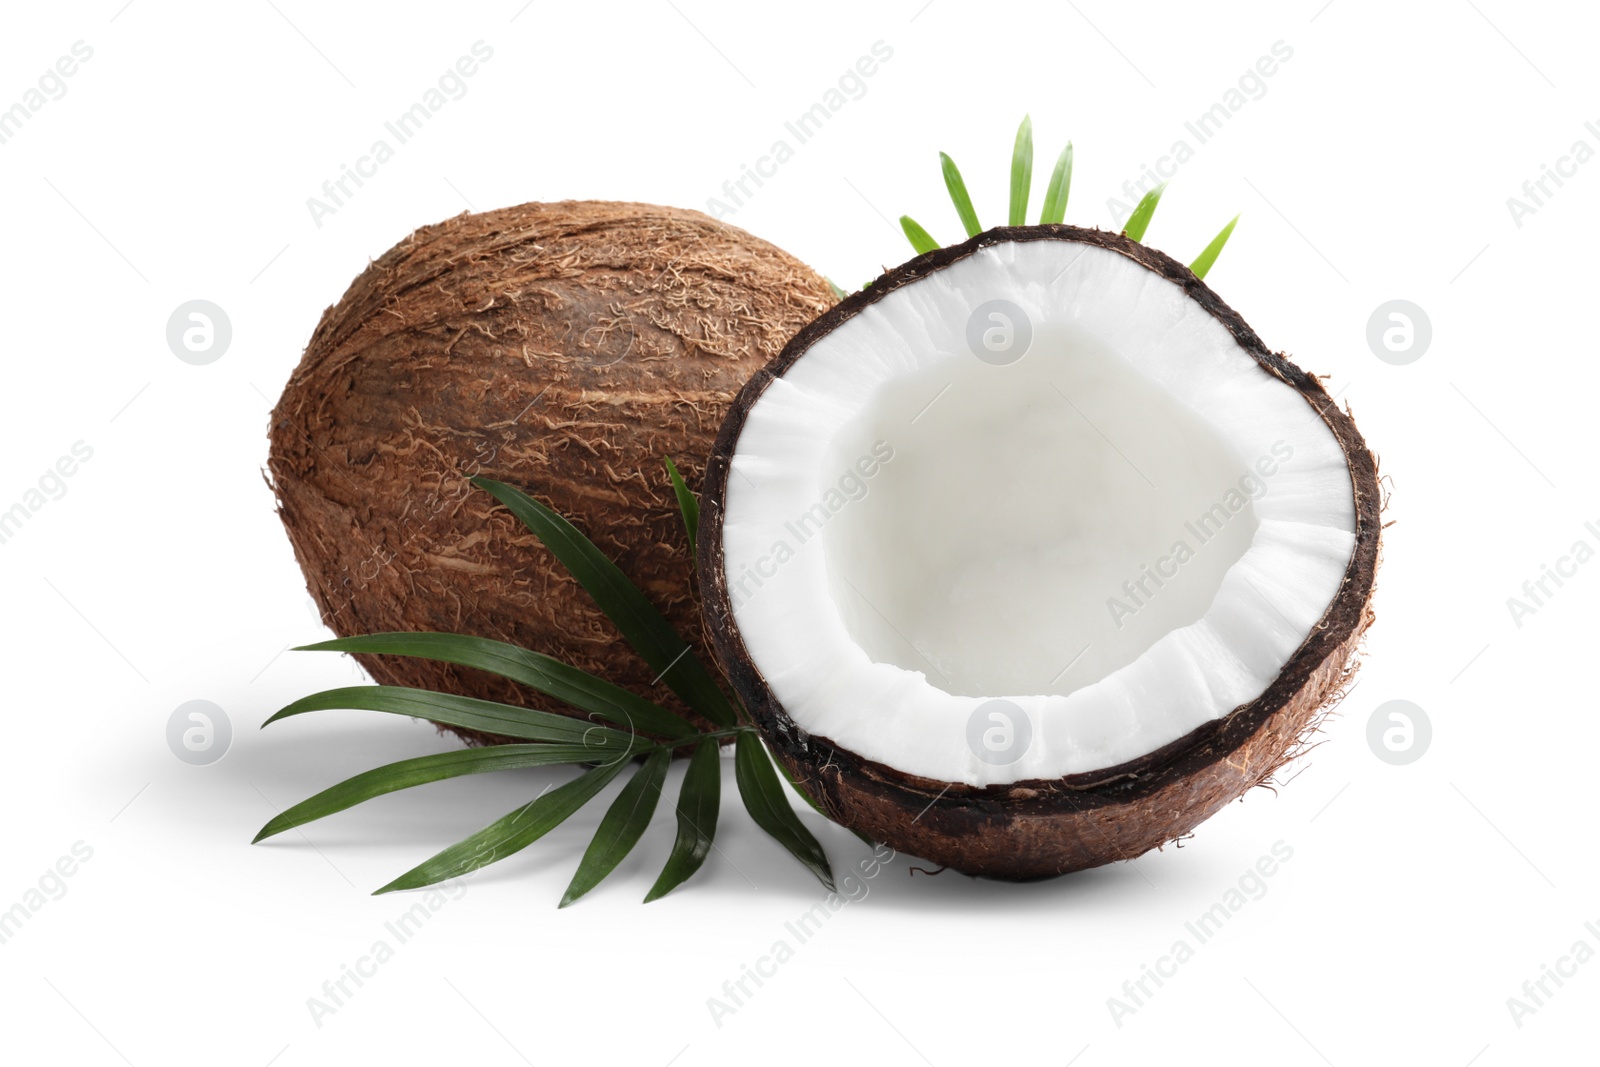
x: 563, y: 348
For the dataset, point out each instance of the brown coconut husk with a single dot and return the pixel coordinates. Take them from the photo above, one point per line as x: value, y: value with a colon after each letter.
x: 1040, y: 828
x: 563, y: 348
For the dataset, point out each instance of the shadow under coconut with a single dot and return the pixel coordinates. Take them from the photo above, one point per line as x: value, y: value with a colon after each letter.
x: 292, y: 769
x: 909, y: 883
x: 268, y: 771
x: 408, y: 826
x: 264, y: 773
x: 295, y: 760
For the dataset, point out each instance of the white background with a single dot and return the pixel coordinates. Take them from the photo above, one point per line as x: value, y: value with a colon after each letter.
x: 1376, y: 166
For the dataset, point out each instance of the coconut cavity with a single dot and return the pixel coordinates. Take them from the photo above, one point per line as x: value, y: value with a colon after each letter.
x: 1012, y: 545
x: 1043, y: 476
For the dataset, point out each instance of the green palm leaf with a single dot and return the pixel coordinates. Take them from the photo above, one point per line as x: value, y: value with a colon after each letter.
x: 698, y: 800
x: 958, y: 195
x: 687, y: 502
x: 535, y: 670
x: 919, y: 238
x: 1055, y: 196
x: 510, y: 834
x: 624, y: 823
x: 1208, y: 256
x: 1139, y: 221
x: 768, y: 804
x: 644, y: 627
x: 506, y: 720
x: 1021, y: 172
x: 420, y: 771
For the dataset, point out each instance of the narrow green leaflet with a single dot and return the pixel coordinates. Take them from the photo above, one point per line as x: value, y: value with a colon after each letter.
x: 1021, y: 172
x: 1203, y: 262
x: 584, y: 691
x: 421, y: 771
x: 525, y: 724
x: 1055, y: 196
x: 919, y: 238
x: 644, y: 627
x: 768, y: 804
x: 687, y: 503
x: 624, y: 823
x: 838, y: 293
x: 1139, y: 221
x: 958, y: 195
x: 510, y: 834
x: 698, y: 801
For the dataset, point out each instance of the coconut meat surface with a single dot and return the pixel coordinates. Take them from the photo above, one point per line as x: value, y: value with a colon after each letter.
x: 1119, y: 527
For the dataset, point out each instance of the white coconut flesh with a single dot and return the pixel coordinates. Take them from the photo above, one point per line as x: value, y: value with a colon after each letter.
x: 1124, y: 533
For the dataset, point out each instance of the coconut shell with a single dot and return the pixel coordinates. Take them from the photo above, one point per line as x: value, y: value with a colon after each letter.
x: 563, y: 348
x: 1040, y: 828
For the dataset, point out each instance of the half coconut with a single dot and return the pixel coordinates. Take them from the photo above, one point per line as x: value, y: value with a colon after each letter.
x: 1030, y: 556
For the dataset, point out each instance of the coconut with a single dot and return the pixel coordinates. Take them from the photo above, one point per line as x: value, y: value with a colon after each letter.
x: 1031, y: 556
x: 564, y: 348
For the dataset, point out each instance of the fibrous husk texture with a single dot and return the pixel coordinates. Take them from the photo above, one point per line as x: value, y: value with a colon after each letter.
x: 563, y: 348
